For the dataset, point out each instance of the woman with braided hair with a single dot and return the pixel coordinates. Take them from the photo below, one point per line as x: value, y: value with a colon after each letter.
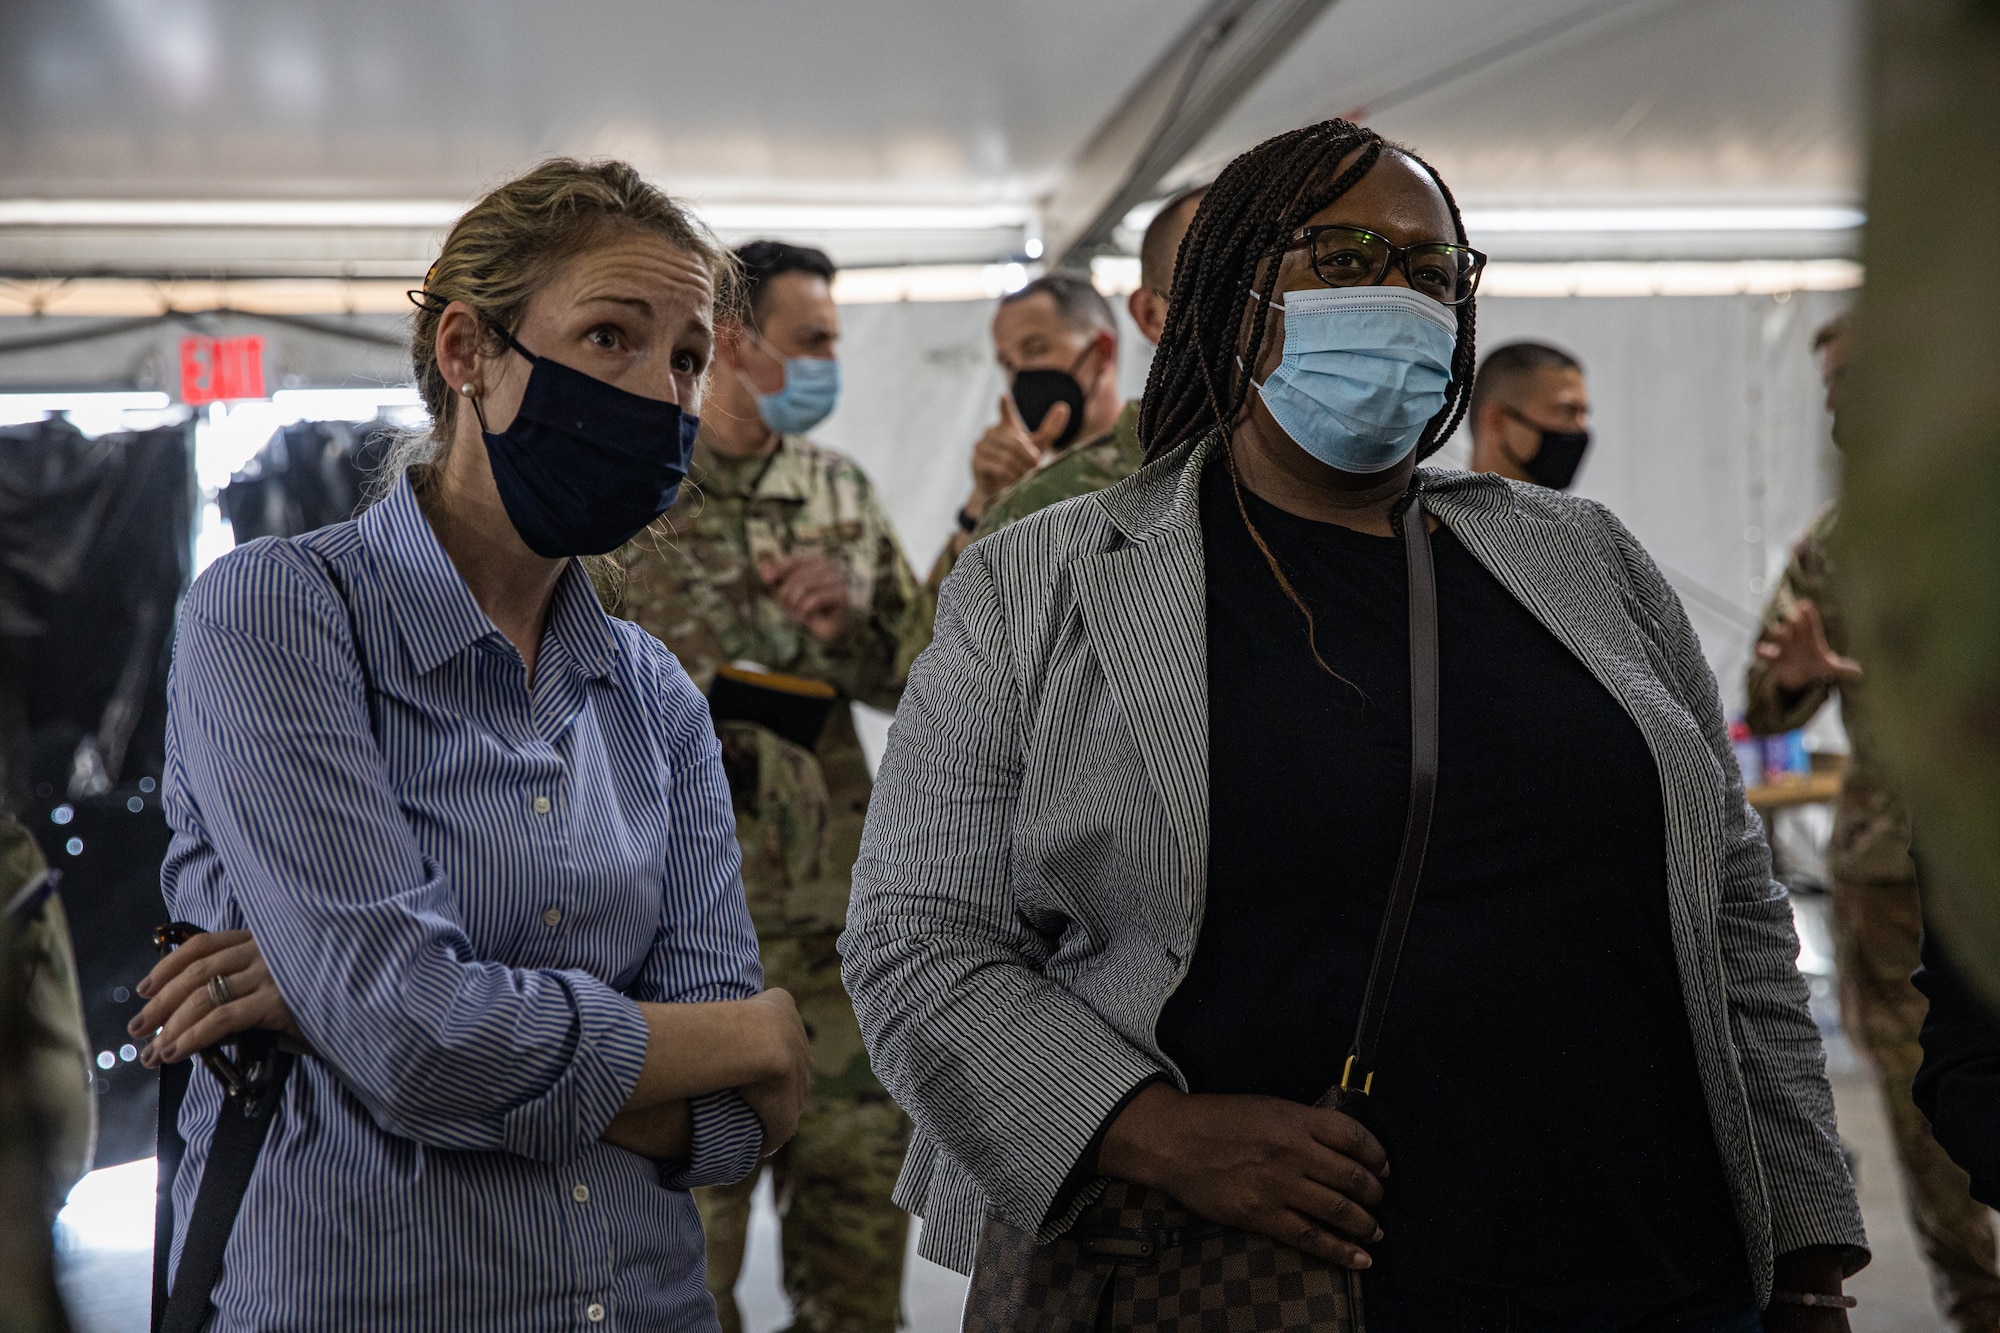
x: 1289, y: 813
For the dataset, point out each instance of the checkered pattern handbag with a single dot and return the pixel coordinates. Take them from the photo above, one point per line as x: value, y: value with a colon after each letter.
x: 1138, y: 1262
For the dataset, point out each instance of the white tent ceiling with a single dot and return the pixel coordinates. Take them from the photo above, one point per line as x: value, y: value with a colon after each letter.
x: 1619, y: 102
x: 904, y: 103
x: 766, y: 99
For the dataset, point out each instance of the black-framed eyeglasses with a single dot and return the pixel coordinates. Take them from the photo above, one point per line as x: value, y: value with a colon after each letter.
x: 1356, y: 257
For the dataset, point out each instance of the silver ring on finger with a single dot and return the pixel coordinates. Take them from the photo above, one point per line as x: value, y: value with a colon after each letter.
x: 220, y: 992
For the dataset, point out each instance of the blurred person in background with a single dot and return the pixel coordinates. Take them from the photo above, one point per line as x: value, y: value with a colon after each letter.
x: 28, y: 1291
x: 1801, y: 661
x: 41, y: 964
x: 1958, y: 1085
x: 1530, y: 415
x: 780, y: 554
x: 1157, y: 249
x: 467, y: 839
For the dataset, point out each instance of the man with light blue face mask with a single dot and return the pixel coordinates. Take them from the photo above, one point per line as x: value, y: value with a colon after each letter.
x: 779, y: 554
x: 780, y: 371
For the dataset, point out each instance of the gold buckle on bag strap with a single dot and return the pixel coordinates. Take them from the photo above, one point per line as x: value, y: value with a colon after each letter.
x: 1117, y: 1245
x: 1367, y: 1080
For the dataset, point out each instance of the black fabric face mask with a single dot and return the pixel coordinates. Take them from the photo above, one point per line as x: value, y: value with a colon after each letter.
x: 1555, y: 463
x: 585, y: 466
x: 1036, y: 392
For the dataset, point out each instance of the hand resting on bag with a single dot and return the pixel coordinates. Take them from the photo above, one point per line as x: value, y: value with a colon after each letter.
x: 184, y: 1014
x: 1302, y: 1175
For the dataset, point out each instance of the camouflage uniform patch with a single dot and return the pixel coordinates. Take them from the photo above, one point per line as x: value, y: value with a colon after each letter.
x: 1877, y: 925
x: 692, y: 581
x: 1871, y: 832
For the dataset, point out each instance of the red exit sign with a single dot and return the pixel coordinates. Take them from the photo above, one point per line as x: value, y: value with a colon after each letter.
x: 213, y: 369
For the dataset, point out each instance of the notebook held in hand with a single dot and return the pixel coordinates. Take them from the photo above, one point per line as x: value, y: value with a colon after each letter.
x: 794, y: 707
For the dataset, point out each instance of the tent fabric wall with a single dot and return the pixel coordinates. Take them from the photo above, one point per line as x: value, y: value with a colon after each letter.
x: 918, y: 385
x: 1712, y: 444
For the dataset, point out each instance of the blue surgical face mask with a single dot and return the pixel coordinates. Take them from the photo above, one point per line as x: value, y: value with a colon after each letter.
x: 812, y: 387
x: 585, y: 466
x: 1364, y: 371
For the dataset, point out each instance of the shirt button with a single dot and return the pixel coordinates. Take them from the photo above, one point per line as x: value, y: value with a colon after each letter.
x: 541, y: 805
x: 595, y: 1312
x: 553, y: 916
x: 581, y: 1194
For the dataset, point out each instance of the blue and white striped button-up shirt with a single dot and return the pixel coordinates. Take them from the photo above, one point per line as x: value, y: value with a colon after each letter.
x: 462, y: 884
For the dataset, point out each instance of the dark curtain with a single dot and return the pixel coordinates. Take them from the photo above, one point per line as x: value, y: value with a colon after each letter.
x: 309, y: 475
x: 95, y: 543
x: 95, y: 549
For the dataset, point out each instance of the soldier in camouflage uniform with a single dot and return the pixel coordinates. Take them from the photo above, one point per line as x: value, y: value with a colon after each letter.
x: 1022, y: 480
x: 778, y: 553
x: 1056, y: 330
x: 1108, y: 459
x: 1878, y: 921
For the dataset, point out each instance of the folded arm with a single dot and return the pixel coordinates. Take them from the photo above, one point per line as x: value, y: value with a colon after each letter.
x: 727, y: 1064
x: 279, y: 772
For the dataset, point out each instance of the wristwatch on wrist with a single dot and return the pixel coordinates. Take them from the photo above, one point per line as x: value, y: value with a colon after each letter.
x: 1816, y: 1299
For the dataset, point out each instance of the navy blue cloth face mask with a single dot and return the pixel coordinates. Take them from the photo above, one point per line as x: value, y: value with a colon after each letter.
x: 585, y: 466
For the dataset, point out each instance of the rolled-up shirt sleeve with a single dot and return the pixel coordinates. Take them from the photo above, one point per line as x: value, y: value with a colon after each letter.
x: 728, y: 1139
x: 706, y: 948
x: 270, y: 725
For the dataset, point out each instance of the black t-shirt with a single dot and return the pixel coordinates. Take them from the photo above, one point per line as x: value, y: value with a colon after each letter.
x: 1537, y: 1091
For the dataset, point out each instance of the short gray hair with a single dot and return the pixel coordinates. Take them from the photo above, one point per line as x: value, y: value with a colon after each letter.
x: 1077, y: 300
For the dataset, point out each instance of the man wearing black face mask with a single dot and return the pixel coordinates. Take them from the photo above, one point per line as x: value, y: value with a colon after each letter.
x: 1058, y: 344
x: 1530, y: 415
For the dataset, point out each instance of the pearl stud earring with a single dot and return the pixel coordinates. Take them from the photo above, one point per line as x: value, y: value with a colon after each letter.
x: 465, y: 389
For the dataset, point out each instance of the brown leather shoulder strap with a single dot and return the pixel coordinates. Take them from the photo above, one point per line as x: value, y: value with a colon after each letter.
x: 1358, y: 1075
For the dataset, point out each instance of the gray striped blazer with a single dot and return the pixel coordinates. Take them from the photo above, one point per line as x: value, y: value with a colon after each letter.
x: 1036, y: 855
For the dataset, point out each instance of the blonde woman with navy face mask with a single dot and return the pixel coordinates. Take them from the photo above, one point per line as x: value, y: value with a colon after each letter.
x: 467, y: 841
x: 1306, y: 884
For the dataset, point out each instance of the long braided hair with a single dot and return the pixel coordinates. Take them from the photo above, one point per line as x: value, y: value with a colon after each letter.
x: 1198, y: 383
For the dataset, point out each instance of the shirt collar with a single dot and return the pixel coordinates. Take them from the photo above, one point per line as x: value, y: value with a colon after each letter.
x: 577, y: 618
x: 1163, y: 495
x: 435, y: 612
